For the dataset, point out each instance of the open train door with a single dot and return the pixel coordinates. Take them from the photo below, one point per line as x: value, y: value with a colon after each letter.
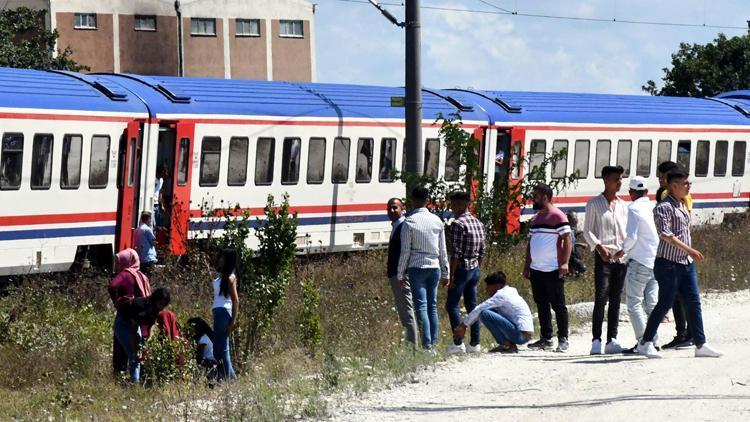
x: 509, y: 169
x: 181, y: 177
x: 128, y: 182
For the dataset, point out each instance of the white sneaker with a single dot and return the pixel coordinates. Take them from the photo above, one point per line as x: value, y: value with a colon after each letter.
x: 613, y: 347
x: 596, y: 347
x: 473, y: 349
x: 456, y: 349
x: 647, y: 349
x: 706, y: 351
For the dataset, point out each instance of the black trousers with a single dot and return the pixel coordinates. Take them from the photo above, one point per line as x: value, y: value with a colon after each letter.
x: 680, y: 319
x: 548, y: 289
x: 609, y: 280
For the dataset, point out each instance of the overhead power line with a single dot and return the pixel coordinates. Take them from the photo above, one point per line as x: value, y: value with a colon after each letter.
x: 504, y: 12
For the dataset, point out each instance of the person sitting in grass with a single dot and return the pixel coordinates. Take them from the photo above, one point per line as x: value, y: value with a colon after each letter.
x: 505, y: 314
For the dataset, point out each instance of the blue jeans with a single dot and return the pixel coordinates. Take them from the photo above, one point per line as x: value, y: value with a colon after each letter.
x: 221, y: 343
x: 123, y: 333
x: 502, y: 328
x: 465, y: 283
x: 424, y: 285
x: 673, y: 279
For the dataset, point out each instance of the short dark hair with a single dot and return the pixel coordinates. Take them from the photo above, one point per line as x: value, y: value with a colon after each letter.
x: 420, y: 193
x: 666, y: 167
x: 159, y: 295
x: 676, y: 174
x: 460, y: 196
x: 544, y: 189
x: 608, y: 170
x: 498, y: 277
x: 145, y: 215
x: 395, y: 199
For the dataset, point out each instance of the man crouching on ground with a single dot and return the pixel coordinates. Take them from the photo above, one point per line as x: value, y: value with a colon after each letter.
x: 505, y: 314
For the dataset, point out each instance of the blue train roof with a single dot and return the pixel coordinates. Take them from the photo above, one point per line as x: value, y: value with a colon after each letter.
x: 535, y: 107
x: 25, y: 88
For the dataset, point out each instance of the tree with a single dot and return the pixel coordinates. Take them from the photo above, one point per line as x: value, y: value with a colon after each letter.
x: 706, y: 70
x: 24, y: 43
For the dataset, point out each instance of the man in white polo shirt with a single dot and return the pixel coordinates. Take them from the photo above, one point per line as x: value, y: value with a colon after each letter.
x: 641, y: 241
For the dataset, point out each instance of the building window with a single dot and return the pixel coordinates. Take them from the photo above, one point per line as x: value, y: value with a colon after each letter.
x: 560, y: 166
x: 291, y: 29
x: 316, y: 161
x: 290, y: 158
x: 237, y: 168
x: 99, y: 163
x: 248, y: 27
x: 210, y: 161
x: 41, y: 162
x: 145, y: 23
x: 85, y: 21
x: 70, y: 170
x: 203, y: 27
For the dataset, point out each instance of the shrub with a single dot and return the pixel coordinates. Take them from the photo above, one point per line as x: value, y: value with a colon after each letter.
x: 310, y: 328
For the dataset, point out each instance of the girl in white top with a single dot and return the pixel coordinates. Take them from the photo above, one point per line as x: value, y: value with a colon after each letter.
x: 225, y: 310
x: 203, y: 336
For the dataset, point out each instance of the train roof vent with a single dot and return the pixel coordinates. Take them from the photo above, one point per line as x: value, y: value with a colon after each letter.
x: 157, y: 85
x: 742, y: 107
x: 508, y: 107
x: 456, y: 103
x: 110, y: 89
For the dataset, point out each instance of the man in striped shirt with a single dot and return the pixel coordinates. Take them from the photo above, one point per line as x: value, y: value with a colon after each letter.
x: 674, y: 268
x: 604, y: 230
x: 466, y: 252
x: 547, y: 256
x: 424, y: 256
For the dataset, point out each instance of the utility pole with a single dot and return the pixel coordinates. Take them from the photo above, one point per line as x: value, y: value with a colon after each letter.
x: 414, y: 146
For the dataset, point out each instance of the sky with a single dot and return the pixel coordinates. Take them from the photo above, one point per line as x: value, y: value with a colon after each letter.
x: 356, y: 44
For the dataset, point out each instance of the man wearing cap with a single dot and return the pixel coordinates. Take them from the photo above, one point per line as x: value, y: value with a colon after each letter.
x: 641, y: 242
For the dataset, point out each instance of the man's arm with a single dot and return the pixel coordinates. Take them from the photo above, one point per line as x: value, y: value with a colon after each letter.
x: 527, y: 263
x: 444, y: 265
x: 589, y: 224
x: 674, y: 241
x: 564, y: 255
x: 403, y: 260
x: 457, y: 248
x: 631, y: 232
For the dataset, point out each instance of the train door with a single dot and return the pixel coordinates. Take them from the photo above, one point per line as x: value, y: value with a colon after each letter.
x: 179, y: 187
x: 128, y: 184
x: 509, y: 170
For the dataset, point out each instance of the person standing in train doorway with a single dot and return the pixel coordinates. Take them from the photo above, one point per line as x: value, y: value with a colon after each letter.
x: 682, y: 338
x: 401, y: 291
x: 466, y: 252
x: 547, y: 257
x: 424, y: 257
x: 604, y: 230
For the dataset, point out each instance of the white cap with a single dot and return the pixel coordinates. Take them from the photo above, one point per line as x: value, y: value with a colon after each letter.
x: 638, y: 183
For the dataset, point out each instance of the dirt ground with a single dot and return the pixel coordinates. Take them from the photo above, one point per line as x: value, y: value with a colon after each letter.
x: 533, y: 386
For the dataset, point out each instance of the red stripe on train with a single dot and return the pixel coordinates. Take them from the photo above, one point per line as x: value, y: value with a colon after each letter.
x: 23, y: 220
x: 302, y: 209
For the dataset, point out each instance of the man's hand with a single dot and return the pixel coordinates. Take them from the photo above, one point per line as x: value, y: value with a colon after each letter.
x: 618, y: 255
x: 230, y: 326
x: 445, y: 281
x: 563, y: 271
x: 448, y: 282
x: 459, y: 331
x: 696, y: 255
x: 603, y: 253
x: 403, y: 283
x: 527, y: 273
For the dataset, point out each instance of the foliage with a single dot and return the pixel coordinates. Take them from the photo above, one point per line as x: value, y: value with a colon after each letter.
x: 167, y: 360
x: 308, y: 321
x: 25, y: 44
x: 706, y: 70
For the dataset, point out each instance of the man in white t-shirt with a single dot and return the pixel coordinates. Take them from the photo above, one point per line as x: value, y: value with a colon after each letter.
x: 505, y: 314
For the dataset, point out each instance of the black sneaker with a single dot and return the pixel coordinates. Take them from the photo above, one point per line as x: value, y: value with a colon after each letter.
x: 675, y: 341
x: 562, y: 345
x: 501, y: 348
x: 630, y: 351
x: 541, y: 344
x: 685, y: 344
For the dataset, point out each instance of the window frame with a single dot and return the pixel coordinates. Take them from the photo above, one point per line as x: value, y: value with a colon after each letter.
x: 51, y: 160
x: 726, y: 158
x: 744, y: 158
x: 232, y: 140
x: 80, y: 163
x: 310, y: 163
x: 597, y: 169
x: 140, y: 18
x: 204, y: 152
x: 565, y: 158
x: 707, y: 145
x: 533, y: 155
x: 271, y: 161
x: 239, y: 34
x: 431, y: 141
x: 456, y: 170
x: 629, y: 168
x: 689, y: 156
x: 285, y: 159
x: 91, y: 156
x: 659, y: 158
x: 587, y: 142
x: 87, y: 25
x: 198, y: 21
x: 650, y: 144
x: 360, y: 141
x: 394, y: 148
x: 293, y: 35
x: 183, y: 160
x: 348, y: 159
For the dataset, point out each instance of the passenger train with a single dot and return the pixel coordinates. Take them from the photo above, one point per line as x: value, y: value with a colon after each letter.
x: 80, y: 153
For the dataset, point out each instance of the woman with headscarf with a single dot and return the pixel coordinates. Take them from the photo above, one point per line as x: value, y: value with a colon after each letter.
x: 128, y: 283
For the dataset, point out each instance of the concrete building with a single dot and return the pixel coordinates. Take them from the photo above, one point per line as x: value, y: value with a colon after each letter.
x: 241, y: 39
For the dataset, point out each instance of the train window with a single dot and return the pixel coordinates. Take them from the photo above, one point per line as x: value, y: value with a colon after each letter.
x: 664, y: 153
x: 452, y: 164
x: 316, y: 161
x: 387, y: 159
x: 210, y: 161
x: 70, y: 171
x: 560, y: 166
x: 290, y: 157
x: 432, y: 158
x: 183, y: 158
x: 264, y: 157
x: 237, y: 167
x: 537, y: 150
x: 364, y: 160
x: 11, y: 160
x: 581, y: 159
x: 340, y: 169
x: 603, y: 154
x: 624, y: 151
x: 131, y: 162
x: 720, y: 158
x: 683, y: 155
x: 41, y: 161
x: 643, y: 160
x: 738, y: 159
x: 516, y: 159
x: 702, y: 152
x: 99, y: 162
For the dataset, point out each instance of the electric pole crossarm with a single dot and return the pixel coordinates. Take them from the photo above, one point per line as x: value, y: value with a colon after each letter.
x: 387, y: 14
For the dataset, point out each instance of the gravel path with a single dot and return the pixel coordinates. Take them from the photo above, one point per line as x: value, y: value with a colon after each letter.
x: 547, y: 386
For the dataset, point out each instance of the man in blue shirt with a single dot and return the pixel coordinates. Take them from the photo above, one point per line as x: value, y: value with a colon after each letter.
x: 144, y: 243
